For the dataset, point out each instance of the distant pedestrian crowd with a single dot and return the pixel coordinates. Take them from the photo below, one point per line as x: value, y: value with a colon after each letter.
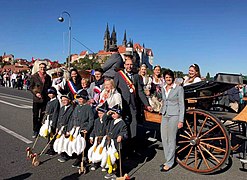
x: 13, y: 79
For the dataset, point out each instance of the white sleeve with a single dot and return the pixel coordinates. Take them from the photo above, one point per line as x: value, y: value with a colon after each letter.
x: 197, y: 79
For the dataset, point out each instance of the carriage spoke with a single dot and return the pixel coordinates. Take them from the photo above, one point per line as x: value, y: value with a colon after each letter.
x: 189, y: 127
x: 188, y: 155
x: 181, y: 135
x: 195, y: 124
x: 209, y: 131
x: 204, y: 122
x: 187, y: 133
x: 185, y: 147
x: 204, y: 159
x: 209, y: 153
x: 212, y: 146
x: 196, y: 157
x: 215, y: 138
x: 203, y: 146
x: 180, y: 142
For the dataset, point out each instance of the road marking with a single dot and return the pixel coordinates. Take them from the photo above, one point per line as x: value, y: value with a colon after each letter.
x: 18, y: 106
x: 18, y: 136
x: 16, y: 98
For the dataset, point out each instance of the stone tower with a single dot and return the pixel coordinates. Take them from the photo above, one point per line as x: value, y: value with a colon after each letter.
x: 107, y: 39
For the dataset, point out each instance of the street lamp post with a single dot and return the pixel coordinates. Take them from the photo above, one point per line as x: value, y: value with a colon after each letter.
x: 61, y: 19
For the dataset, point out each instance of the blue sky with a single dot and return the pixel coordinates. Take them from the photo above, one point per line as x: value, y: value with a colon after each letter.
x: 211, y: 33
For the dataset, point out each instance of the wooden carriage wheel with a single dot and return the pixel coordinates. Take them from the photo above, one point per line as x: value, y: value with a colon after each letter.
x: 203, y: 143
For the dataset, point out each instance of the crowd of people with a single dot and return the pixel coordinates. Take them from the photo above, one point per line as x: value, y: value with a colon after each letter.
x: 110, y: 105
x: 14, y: 79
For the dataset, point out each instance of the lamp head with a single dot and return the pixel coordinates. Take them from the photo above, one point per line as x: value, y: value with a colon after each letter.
x: 60, y: 19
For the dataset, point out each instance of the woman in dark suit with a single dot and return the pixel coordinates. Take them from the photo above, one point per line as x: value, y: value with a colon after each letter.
x: 172, y: 117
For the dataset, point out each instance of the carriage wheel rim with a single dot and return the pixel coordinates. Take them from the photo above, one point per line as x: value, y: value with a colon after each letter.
x: 198, y: 144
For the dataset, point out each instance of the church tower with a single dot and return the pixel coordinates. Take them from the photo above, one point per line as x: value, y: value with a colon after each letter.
x: 125, y: 39
x: 107, y: 39
x: 114, y: 37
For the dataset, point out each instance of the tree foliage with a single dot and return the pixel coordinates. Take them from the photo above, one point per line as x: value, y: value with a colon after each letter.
x: 86, y: 64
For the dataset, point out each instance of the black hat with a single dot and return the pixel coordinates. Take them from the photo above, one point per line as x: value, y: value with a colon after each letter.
x: 82, y: 94
x: 68, y: 96
x: 113, y: 47
x: 103, y: 108
x: 52, y: 90
x: 117, y: 109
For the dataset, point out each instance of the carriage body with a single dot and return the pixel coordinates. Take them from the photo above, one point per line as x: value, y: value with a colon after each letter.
x: 204, y: 143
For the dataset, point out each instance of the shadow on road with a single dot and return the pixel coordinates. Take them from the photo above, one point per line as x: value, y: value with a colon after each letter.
x: 22, y: 176
x: 74, y: 176
x: 146, y: 151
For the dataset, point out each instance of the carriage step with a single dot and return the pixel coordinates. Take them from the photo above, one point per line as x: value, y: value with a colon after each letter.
x: 241, y: 137
x: 244, y: 161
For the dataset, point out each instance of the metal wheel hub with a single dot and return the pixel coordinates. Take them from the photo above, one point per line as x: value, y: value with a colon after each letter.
x: 194, y: 141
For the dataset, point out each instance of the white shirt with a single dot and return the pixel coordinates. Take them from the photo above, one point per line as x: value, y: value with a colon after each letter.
x: 167, y: 92
x: 197, y: 79
x: 117, y: 121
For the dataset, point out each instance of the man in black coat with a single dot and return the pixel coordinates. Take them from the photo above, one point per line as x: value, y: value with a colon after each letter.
x: 40, y: 83
x: 129, y: 86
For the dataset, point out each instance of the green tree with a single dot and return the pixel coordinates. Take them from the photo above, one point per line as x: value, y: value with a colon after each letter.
x: 86, y: 64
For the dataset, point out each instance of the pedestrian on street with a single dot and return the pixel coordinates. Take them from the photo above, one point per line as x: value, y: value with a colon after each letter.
x: 51, y: 111
x: 39, y: 85
x: 82, y: 117
x: 64, y: 118
x: 129, y: 86
x: 172, y: 117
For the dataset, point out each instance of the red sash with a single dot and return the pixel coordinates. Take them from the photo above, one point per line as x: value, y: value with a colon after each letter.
x: 128, y: 82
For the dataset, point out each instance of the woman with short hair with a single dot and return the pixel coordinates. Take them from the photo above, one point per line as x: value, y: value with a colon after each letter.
x: 172, y: 117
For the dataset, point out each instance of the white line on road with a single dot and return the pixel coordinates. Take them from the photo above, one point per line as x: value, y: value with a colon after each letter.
x: 18, y: 106
x: 27, y: 141
x: 7, y: 96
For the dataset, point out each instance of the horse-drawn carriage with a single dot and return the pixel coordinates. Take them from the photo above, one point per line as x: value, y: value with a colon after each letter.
x: 204, y: 143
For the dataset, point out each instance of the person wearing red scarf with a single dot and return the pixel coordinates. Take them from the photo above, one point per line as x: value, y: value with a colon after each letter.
x: 40, y: 83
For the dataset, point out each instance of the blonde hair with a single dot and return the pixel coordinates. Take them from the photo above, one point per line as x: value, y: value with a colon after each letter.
x: 111, y: 81
x: 86, y: 80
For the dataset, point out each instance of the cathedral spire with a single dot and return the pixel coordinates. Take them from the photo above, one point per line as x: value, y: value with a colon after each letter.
x: 107, y: 38
x: 125, y: 39
x: 113, y: 37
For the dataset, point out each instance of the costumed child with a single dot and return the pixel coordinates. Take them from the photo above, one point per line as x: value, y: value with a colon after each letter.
x: 65, y: 116
x: 52, y: 111
x: 99, y: 130
x: 116, y: 130
x: 82, y: 117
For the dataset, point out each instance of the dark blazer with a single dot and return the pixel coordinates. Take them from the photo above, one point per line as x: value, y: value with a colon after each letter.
x: 99, y: 128
x: 65, y: 116
x: 173, y: 105
x: 115, y: 61
x: 37, y: 86
x: 52, y: 109
x: 83, y: 116
x: 119, y: 129
x: 123, y: 89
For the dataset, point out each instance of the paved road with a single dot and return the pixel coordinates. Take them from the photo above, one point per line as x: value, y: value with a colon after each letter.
x: 16, y: 119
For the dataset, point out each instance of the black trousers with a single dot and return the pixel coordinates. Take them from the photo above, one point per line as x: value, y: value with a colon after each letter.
x: 38, y: 114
